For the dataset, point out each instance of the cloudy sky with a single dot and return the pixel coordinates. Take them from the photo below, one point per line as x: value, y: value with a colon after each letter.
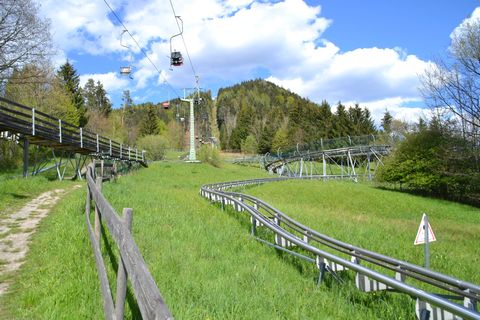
x: 370, y: 52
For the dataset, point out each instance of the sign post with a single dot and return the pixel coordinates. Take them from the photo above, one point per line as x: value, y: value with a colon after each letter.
x: 425, y: 235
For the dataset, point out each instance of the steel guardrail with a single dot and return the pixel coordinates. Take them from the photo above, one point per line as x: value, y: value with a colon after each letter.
x: 301, y: 236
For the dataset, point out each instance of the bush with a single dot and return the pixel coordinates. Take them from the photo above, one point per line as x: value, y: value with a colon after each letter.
x: 249, y: 145
x: 10, y: 155
x: 209, y: 154
x: 437, y: 163
x: 154, y: 145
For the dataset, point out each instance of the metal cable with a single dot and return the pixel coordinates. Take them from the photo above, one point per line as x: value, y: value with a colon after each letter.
x: 141, y: 49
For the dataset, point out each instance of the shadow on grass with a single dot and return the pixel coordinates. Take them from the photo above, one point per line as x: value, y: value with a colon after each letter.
x: 471, y: 201
x: 303, y: 267
x: 130, y: 298
x: 18, y: 196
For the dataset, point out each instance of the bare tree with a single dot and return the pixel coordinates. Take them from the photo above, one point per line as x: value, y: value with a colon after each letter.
x: 454, y: 81
x: 24, y: 37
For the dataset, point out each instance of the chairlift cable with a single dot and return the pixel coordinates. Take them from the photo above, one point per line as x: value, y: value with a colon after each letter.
x: 185, y: 45
x: 141, y: 49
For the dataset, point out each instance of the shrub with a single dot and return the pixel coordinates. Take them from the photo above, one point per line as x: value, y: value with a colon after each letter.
x: 209, y: 154
x: 154, y: 145
x: 10, y: 155
x: 249, y: 145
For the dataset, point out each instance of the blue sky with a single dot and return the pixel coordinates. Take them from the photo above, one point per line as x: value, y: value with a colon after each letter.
x: 369, y: 52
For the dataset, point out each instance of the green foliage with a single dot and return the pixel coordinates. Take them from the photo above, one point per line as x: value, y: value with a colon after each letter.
x: 209, y: 154
x: 265, y: 143
x: 96, y: 99
x: 386, y: 122
x: 250, y: 145
x: 10, y: 155
x: 150, y: 122
x: 46, y: 94
x: 342, y: 124
x: 271, y: 107
x: 71, y: 82
x: 154, y: 145
x: 280, y: 140
x: 436, y: 162
x: 244, y: 122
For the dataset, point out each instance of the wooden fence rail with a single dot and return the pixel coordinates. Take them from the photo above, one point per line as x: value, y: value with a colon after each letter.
x: 131, y: 265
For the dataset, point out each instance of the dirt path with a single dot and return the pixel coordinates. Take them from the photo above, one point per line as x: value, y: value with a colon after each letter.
x: 16, y: 229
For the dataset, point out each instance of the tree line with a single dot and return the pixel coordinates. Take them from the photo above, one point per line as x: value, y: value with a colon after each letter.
x: 258, y: 116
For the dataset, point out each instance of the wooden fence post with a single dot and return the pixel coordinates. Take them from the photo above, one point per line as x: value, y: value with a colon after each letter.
x: 122, y: 272
x: 98, y: 183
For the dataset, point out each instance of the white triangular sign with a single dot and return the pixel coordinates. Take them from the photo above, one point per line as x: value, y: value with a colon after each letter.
x: 420, y: 238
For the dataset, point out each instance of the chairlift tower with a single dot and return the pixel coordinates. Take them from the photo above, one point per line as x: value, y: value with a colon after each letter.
x: 192, y: 157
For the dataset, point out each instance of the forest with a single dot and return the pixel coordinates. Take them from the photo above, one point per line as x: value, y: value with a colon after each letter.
x: 258, y: 116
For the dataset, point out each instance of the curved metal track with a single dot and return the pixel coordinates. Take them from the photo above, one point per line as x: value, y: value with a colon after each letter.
x: 333, y: 256
x: 346, y: 160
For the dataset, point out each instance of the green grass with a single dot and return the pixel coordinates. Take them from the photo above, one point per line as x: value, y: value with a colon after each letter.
x: 15, y: 192
x: 203, y: 259
x: 175, y: 155
x: 383, y: 221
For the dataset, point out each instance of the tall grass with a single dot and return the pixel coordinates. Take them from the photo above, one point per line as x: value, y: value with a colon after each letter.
x: 203, y: 259
x: 15, y: 192
x: 384, y: 221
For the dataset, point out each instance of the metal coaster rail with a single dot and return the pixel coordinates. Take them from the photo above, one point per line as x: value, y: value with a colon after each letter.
x: 333, y: 256
x: 39, y: 128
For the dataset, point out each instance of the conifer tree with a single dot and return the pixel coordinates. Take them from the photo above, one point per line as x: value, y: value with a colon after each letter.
x: 342, y: 122
x: 71, y: 82
x: 386, y: 122
x: 150, y: 122
x: 368, y: 125
x: 96, y: 99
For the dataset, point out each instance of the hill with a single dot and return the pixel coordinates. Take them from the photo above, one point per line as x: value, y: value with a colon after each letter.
x: 259, y: 116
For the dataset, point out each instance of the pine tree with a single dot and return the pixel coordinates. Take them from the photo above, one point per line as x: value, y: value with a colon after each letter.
x: 368, y: 125
x: 265, y: 143
x: 127, y: 100
x: 89, y: 95
x: 150, y: 122
x: 103, y: 103
x: 96, y: 99
x: 386, y: 122
x: 71, y: 82
x: 356, y: 119
x: 342, y: 123
x: 243, y: 127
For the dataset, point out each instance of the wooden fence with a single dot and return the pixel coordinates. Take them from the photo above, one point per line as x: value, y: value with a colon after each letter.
x: 131, y: 265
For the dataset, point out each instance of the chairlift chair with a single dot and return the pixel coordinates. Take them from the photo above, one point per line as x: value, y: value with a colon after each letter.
x: 125, y: 71
x: 176, y: 58
x: 166, y: 105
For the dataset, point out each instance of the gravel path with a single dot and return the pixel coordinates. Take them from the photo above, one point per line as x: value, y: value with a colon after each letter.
x: 17, y: 228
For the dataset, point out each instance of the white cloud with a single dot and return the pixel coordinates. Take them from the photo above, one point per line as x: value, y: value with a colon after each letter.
x: 474, y: 17
x: 230, y: 40
x: 360, y: 75
x: 111, y: 81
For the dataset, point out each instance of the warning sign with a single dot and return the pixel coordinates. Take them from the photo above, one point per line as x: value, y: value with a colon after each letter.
x: 420, y: 238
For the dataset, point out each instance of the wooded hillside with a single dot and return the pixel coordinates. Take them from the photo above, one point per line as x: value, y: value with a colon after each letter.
x: 259, y: 116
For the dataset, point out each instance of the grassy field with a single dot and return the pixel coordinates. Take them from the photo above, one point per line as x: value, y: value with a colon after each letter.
x: 383, y: 221
x: 15, y: 192
x: 206, y: 264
